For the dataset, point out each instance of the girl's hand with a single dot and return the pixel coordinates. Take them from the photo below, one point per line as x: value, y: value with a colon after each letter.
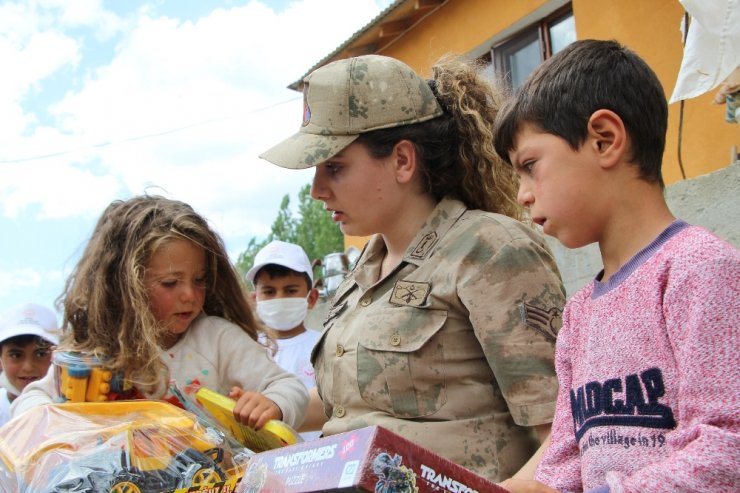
x: 254, y: 409
x: 526, y: 486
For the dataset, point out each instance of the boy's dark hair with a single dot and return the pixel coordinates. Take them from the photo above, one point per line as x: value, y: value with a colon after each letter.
x: 588, y: 75
x: 25, y: 339
x: 277, y: 271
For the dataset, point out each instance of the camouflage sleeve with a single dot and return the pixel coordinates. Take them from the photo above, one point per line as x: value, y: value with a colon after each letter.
x: 515, y: 297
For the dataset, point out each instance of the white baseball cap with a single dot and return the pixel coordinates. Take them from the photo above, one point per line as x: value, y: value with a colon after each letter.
x: 282, y: 253
x: 29, y: 319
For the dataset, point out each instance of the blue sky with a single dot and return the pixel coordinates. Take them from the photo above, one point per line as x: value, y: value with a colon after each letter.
x: 103, y: 100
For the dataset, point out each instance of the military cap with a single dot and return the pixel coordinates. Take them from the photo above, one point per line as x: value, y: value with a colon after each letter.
x: 346, y: 98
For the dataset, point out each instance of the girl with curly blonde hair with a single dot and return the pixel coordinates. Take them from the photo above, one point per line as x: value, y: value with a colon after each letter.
x: 154, y: 295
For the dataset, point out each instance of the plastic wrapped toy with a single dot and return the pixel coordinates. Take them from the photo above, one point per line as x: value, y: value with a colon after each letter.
x: 214, y: 409
x: 135, y: 446
x: 81, y: 377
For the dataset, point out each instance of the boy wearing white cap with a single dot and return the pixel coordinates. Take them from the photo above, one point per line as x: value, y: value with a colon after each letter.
x: 283, y: 289
x: 27, y: 334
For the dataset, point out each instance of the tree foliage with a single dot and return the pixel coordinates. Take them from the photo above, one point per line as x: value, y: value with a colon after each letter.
x: 312, y: 229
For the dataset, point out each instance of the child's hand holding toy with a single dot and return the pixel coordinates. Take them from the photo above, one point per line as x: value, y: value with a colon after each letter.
x: 254, y: 409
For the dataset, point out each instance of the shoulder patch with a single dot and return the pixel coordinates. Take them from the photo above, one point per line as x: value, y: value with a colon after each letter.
x: 408, y: 293
x: 543, y: 320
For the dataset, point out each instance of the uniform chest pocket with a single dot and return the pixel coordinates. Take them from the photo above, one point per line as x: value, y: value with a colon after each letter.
x: 400, y: 361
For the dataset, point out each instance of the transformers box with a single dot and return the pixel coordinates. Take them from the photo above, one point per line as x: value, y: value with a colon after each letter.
x: 371, y: 459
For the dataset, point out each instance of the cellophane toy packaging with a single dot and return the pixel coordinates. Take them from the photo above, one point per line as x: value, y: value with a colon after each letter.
x: 137, y: 446
x: 82, y: 377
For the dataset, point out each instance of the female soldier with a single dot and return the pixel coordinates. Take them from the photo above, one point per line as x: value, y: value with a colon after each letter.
x: 444, y: 331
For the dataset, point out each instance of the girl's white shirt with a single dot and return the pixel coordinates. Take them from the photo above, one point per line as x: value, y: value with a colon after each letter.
x: 218, y: 355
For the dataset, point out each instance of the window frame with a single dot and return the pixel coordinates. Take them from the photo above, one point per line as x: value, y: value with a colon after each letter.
x: 499, y: 53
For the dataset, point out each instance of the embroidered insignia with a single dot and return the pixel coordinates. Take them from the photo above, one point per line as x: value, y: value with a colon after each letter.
x: 409, y: 293
x: 547, y: 322
x: 306, y: 108
x: 424, y: 245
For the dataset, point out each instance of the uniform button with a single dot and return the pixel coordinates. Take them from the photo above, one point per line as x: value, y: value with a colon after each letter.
x: 339, y: 411
x: 395, y: 340
x: 365, y: 301
x: 340, y: 350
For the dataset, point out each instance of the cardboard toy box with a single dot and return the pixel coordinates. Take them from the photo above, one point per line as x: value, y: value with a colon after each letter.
x: 371, y: 459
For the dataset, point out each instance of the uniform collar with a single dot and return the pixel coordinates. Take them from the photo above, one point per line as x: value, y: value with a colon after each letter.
x: 444, y: 215
x: 447, y: 212
x: 368, y: 268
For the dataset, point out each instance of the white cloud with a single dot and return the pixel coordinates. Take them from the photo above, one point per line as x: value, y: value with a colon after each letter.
x: 23, y: 285
x: 19, y: 278
x: 213, y: 77
x: 28, y: 57
x: 169, y: 106
x: 59, y: 190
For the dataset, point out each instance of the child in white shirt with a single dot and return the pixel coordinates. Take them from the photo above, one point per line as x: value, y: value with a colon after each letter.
x: 283, y: 289
x: 27, y: 335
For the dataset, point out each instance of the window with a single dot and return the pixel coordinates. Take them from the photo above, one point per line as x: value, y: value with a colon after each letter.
x: 518, y: 56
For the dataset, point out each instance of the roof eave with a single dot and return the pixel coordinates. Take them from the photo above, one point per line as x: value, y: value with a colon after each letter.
x: 389, y: 25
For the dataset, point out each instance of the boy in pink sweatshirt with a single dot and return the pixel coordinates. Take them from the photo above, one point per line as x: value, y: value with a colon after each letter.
x: 647, y: 356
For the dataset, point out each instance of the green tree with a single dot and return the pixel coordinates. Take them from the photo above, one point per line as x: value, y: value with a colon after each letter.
x: 312, y: 229
x: 315, y: 231
x: 284, y: 226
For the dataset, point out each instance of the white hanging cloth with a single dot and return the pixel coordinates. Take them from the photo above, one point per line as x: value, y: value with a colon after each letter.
x: 712, y: 49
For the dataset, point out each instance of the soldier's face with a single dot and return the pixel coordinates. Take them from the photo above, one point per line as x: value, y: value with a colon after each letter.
x: 361, y: 192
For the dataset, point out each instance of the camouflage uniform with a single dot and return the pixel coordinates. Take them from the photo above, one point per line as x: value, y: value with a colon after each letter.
x: 454, y: 348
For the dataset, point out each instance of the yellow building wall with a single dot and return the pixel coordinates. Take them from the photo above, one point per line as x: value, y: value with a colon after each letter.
x: 651, y: 28
x: 457, y: 27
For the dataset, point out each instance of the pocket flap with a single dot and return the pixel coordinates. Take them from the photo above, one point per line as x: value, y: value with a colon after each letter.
x: 402, y: 329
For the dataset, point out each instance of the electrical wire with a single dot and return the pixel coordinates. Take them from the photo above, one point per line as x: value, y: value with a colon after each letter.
x: 145, y: 136
x: 681, y: 105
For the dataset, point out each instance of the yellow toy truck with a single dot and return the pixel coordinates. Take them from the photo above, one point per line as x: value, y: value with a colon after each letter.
x: 135, y: 446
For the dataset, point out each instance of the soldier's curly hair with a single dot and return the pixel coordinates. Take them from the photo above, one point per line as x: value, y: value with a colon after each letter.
x: 456, y: 150
x: 106, y: 308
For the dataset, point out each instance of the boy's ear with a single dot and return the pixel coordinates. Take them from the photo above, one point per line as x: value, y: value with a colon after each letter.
x: 404, y: 159
x: 253, y: 294
x: 608, y: 137
x: 313, y: 297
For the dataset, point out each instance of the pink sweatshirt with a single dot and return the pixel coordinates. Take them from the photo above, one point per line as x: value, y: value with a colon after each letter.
x: 648, y: 371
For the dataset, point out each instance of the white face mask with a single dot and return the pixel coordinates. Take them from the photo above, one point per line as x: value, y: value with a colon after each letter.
x: 283, y: 313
